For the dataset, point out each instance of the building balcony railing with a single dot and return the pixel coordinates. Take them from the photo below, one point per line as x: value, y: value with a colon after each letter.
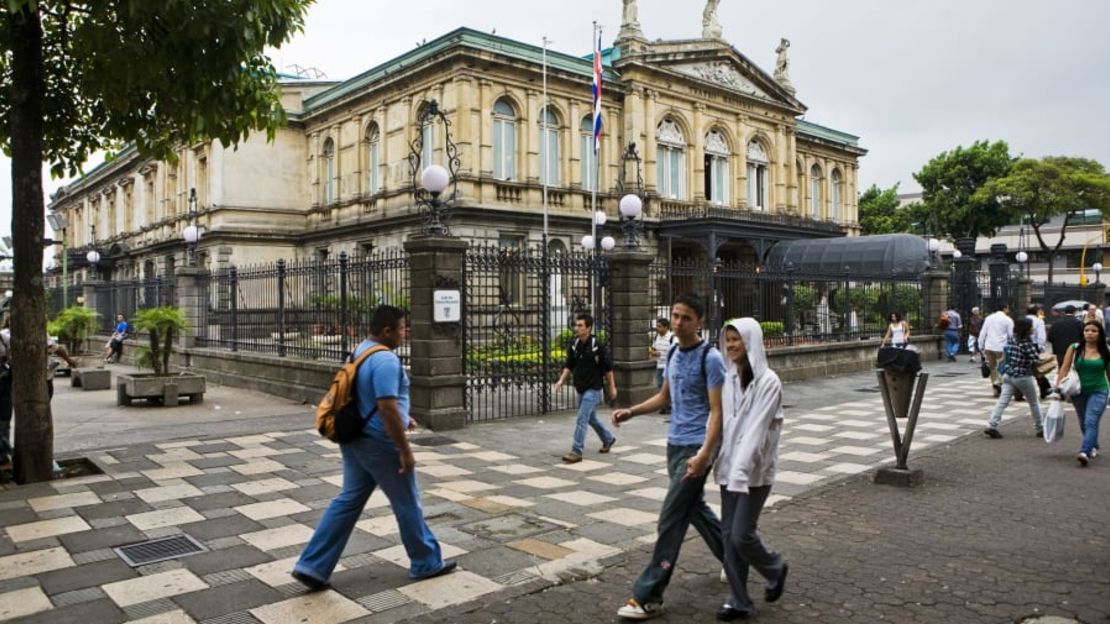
x: 671, y: 211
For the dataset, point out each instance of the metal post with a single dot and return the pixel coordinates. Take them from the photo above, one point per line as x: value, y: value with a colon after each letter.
x: 344, y: 313
x: 65, y: 272
x: 234, y: 309
x: 281, y: 307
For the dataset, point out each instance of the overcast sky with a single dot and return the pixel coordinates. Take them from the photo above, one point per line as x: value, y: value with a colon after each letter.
x: 910, y: 78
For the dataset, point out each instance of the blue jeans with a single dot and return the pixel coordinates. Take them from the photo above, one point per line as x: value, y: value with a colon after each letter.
x: 369, y: 463
x: 952, y: 342
x: 739, y: 521
x: 1028, y: 387
x: 1089, y: 407
x: 587, y: 413
x: 683, y: 505
x: 659, y: 378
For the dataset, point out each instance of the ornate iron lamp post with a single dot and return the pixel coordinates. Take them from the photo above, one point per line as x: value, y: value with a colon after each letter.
x: 631, y: 203
x: 191, y: 234
x: 434, y: 179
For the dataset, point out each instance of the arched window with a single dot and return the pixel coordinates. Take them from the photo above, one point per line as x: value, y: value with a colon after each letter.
x: 549, y: 132
x: 758, y: 176
x: 716, y: 168
x: 837, y: 193
x: 588, y: 168
x: 504, y: 140
x: 373, y: 158
x: 815, y: 192
x: 328, y: 156
x: 670, y: 163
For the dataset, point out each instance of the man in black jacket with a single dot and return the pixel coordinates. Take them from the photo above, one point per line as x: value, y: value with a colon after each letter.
x: 589, y: 360
x: 1066, y: 330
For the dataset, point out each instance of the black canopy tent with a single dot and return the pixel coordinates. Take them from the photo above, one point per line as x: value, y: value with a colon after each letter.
x: 887, y: 256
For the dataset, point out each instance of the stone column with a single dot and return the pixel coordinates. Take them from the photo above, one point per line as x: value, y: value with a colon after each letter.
x: 190, y: 301
x: 936, y: 298
x: 633, y: 367
x: 438, y: 382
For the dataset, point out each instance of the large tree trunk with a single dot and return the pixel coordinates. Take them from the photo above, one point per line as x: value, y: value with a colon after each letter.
x: 34, y: 431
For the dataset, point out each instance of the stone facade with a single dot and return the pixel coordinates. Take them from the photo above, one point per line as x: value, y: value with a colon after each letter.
x: 726, y: 137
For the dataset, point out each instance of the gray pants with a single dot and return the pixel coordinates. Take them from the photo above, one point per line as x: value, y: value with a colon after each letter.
x: 743, y: 546
x: 1027, y: 386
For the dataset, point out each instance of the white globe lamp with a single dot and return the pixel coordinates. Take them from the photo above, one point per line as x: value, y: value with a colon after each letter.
x: 191, y: 234
x: 934, y: 245
x: 631, y: 206
x: 1022, y: 257
x: 435, y: 179
x: 588, y: 242
x: 93, y: 257
x: 608, y: 243
x: 600, y: 218
x: 957, y: 254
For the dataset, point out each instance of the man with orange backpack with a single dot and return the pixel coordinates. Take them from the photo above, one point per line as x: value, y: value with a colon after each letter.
x: 379, y: 457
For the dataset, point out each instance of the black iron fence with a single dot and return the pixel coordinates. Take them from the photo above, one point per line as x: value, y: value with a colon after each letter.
x: 129, y: 296
x: 519, y: 308
x: 793, y: 309
x: 313, y: 309
x: 59, y: 298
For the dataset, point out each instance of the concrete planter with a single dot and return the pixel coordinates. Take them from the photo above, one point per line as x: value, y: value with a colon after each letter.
x: 162, y: 388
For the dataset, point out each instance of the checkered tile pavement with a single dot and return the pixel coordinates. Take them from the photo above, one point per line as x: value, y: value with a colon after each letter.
x: 510, y: 516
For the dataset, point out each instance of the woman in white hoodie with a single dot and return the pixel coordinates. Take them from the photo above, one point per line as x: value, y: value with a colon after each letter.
x: 752, y: 413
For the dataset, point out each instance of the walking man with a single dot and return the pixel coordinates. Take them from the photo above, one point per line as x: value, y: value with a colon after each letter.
x: 589, y: 361
x: 993, y: 337
x: 659, y: 348
x: 693, y: 378
x: 1066, y: 330
x: 382, y: 458
x: 952, y: 333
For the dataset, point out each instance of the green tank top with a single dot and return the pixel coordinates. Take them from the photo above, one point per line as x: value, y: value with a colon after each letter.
x: 1092, y: 372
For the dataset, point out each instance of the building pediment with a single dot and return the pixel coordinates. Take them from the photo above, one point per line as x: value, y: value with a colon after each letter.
x: 712, y: 63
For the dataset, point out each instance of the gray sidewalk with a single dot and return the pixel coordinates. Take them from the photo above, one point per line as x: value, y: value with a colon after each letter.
x: 524, y: 526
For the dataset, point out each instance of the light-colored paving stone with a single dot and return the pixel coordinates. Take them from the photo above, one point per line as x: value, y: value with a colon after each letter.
x: 272, y: 509
x: 147, y: 588
x: 264, y: 486
x: 272, y: 539
x: 397, y: 555
x: 539, y: 548
x: 546, y: 483
x: 176, y: 470
x: 468, y: 486
x: 451, y: 589
x: 645, y: 458
x: 34, y: 562
x: 797, y: 478
x: 586, y: 465
x: 380, y: 526
x: 164, y: 518
x: 625, y: 516
x: 580, y: 497
x: 516, y: 469
x: 258, y: 466
x: 23, y: 602
x: 617, y: 478
x: 276, y: 573
x: 168, y: 492
x: 170, y: 617
x: 443, y: 470
x: 327, y: 606
x: 63, y: 501
x: 654, y: 493
x: 47, y: 528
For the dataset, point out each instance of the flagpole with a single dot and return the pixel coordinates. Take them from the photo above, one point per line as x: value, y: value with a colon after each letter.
x: 545, y: 296
x: 593, y: 194
x: 546, y: 138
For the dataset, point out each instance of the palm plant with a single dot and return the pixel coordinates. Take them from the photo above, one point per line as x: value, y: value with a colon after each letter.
x: 163, y: 323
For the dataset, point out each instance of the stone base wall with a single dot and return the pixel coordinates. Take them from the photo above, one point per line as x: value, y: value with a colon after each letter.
x: 839, y: 358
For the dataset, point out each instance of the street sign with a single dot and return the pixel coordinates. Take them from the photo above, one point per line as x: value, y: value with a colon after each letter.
x: 447, y: 306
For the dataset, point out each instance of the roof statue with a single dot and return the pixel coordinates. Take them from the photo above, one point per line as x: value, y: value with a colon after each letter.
x: 630, y: 21
x: 710, y: 27
x: 782, y: 65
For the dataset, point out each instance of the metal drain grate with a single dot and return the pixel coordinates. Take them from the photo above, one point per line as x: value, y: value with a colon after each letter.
x: 161, y: 549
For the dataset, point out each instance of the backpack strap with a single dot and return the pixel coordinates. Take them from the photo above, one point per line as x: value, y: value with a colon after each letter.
x: 354, y: 386
x: 704, y: 355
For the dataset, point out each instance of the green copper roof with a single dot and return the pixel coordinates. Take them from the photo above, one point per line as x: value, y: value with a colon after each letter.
x: 464, y: 37
x: 828, y: 134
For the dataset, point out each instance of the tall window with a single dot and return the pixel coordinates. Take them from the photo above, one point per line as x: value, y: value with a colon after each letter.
x: 329, y: 171
x: 716, y: 168
x: 549, y: 132
x: 586, y: 153
x: 504, y: 140
x: 836, y: 195
x: 758, y: 180
x: 815, y: 192
x: 373, y: 158
x: 800, y: 172
x: 670, y: 163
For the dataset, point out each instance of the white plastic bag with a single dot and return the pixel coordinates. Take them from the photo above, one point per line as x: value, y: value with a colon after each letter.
x: 1053, y: 418
x: 1070, y: 385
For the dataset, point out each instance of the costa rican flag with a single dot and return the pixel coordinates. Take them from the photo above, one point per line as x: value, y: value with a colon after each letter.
x: 597, y: 95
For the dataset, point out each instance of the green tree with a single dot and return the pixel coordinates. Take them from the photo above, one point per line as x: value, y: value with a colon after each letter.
x: 949, y: 182
x: 78, y: 76
x: 879, y: 212
x: 1040, y: 190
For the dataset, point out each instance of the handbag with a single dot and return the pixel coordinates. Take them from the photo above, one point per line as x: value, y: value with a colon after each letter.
x: 1054, y: 418
x: 1070, y: 385
x: 984, y: 369
x: 896, y: 360
x: 1047, y: 364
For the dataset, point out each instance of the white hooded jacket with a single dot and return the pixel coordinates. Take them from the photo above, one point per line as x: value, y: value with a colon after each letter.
x: 752, y: 416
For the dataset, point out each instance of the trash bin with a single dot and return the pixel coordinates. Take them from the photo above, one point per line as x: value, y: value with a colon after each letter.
x: 902, y: 385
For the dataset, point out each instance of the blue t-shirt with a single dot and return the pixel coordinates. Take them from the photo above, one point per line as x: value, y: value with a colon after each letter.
x: 690, y: 392
x: 380, y: 376
x: 121, y: 327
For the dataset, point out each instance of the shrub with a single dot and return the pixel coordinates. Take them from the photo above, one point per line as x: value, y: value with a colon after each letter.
x: 162, y: 323
x: 72, y: 326
x: 772, y: 329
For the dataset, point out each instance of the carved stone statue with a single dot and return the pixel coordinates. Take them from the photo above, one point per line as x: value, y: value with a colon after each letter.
x: 630, y: 22
x: 782, y: 64
x: 710, y: 27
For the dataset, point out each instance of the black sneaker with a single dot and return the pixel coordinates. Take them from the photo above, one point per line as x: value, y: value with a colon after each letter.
x: 993, y: 433
x: 1040, y: 433
x: 311, y: 583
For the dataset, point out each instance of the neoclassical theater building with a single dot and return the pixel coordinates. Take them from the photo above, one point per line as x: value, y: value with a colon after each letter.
x: 728, y: 166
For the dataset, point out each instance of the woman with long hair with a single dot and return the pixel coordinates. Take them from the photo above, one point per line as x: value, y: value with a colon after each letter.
x: 1021, y: 358
x: 898, y: 332
x: 1092, y: 363
x: 751, y: 412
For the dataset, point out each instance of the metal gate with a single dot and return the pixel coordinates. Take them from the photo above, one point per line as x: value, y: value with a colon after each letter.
x: 518, y: 309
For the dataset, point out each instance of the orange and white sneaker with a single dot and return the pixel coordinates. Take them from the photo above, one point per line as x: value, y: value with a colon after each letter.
x: 633, y: 610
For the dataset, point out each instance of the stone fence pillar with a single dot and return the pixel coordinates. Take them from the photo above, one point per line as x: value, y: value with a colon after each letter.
x: 88, y: 293
x: 631, y: 334
x: 438, y: 383
x: 936, y: 298
x: 189, y: 300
